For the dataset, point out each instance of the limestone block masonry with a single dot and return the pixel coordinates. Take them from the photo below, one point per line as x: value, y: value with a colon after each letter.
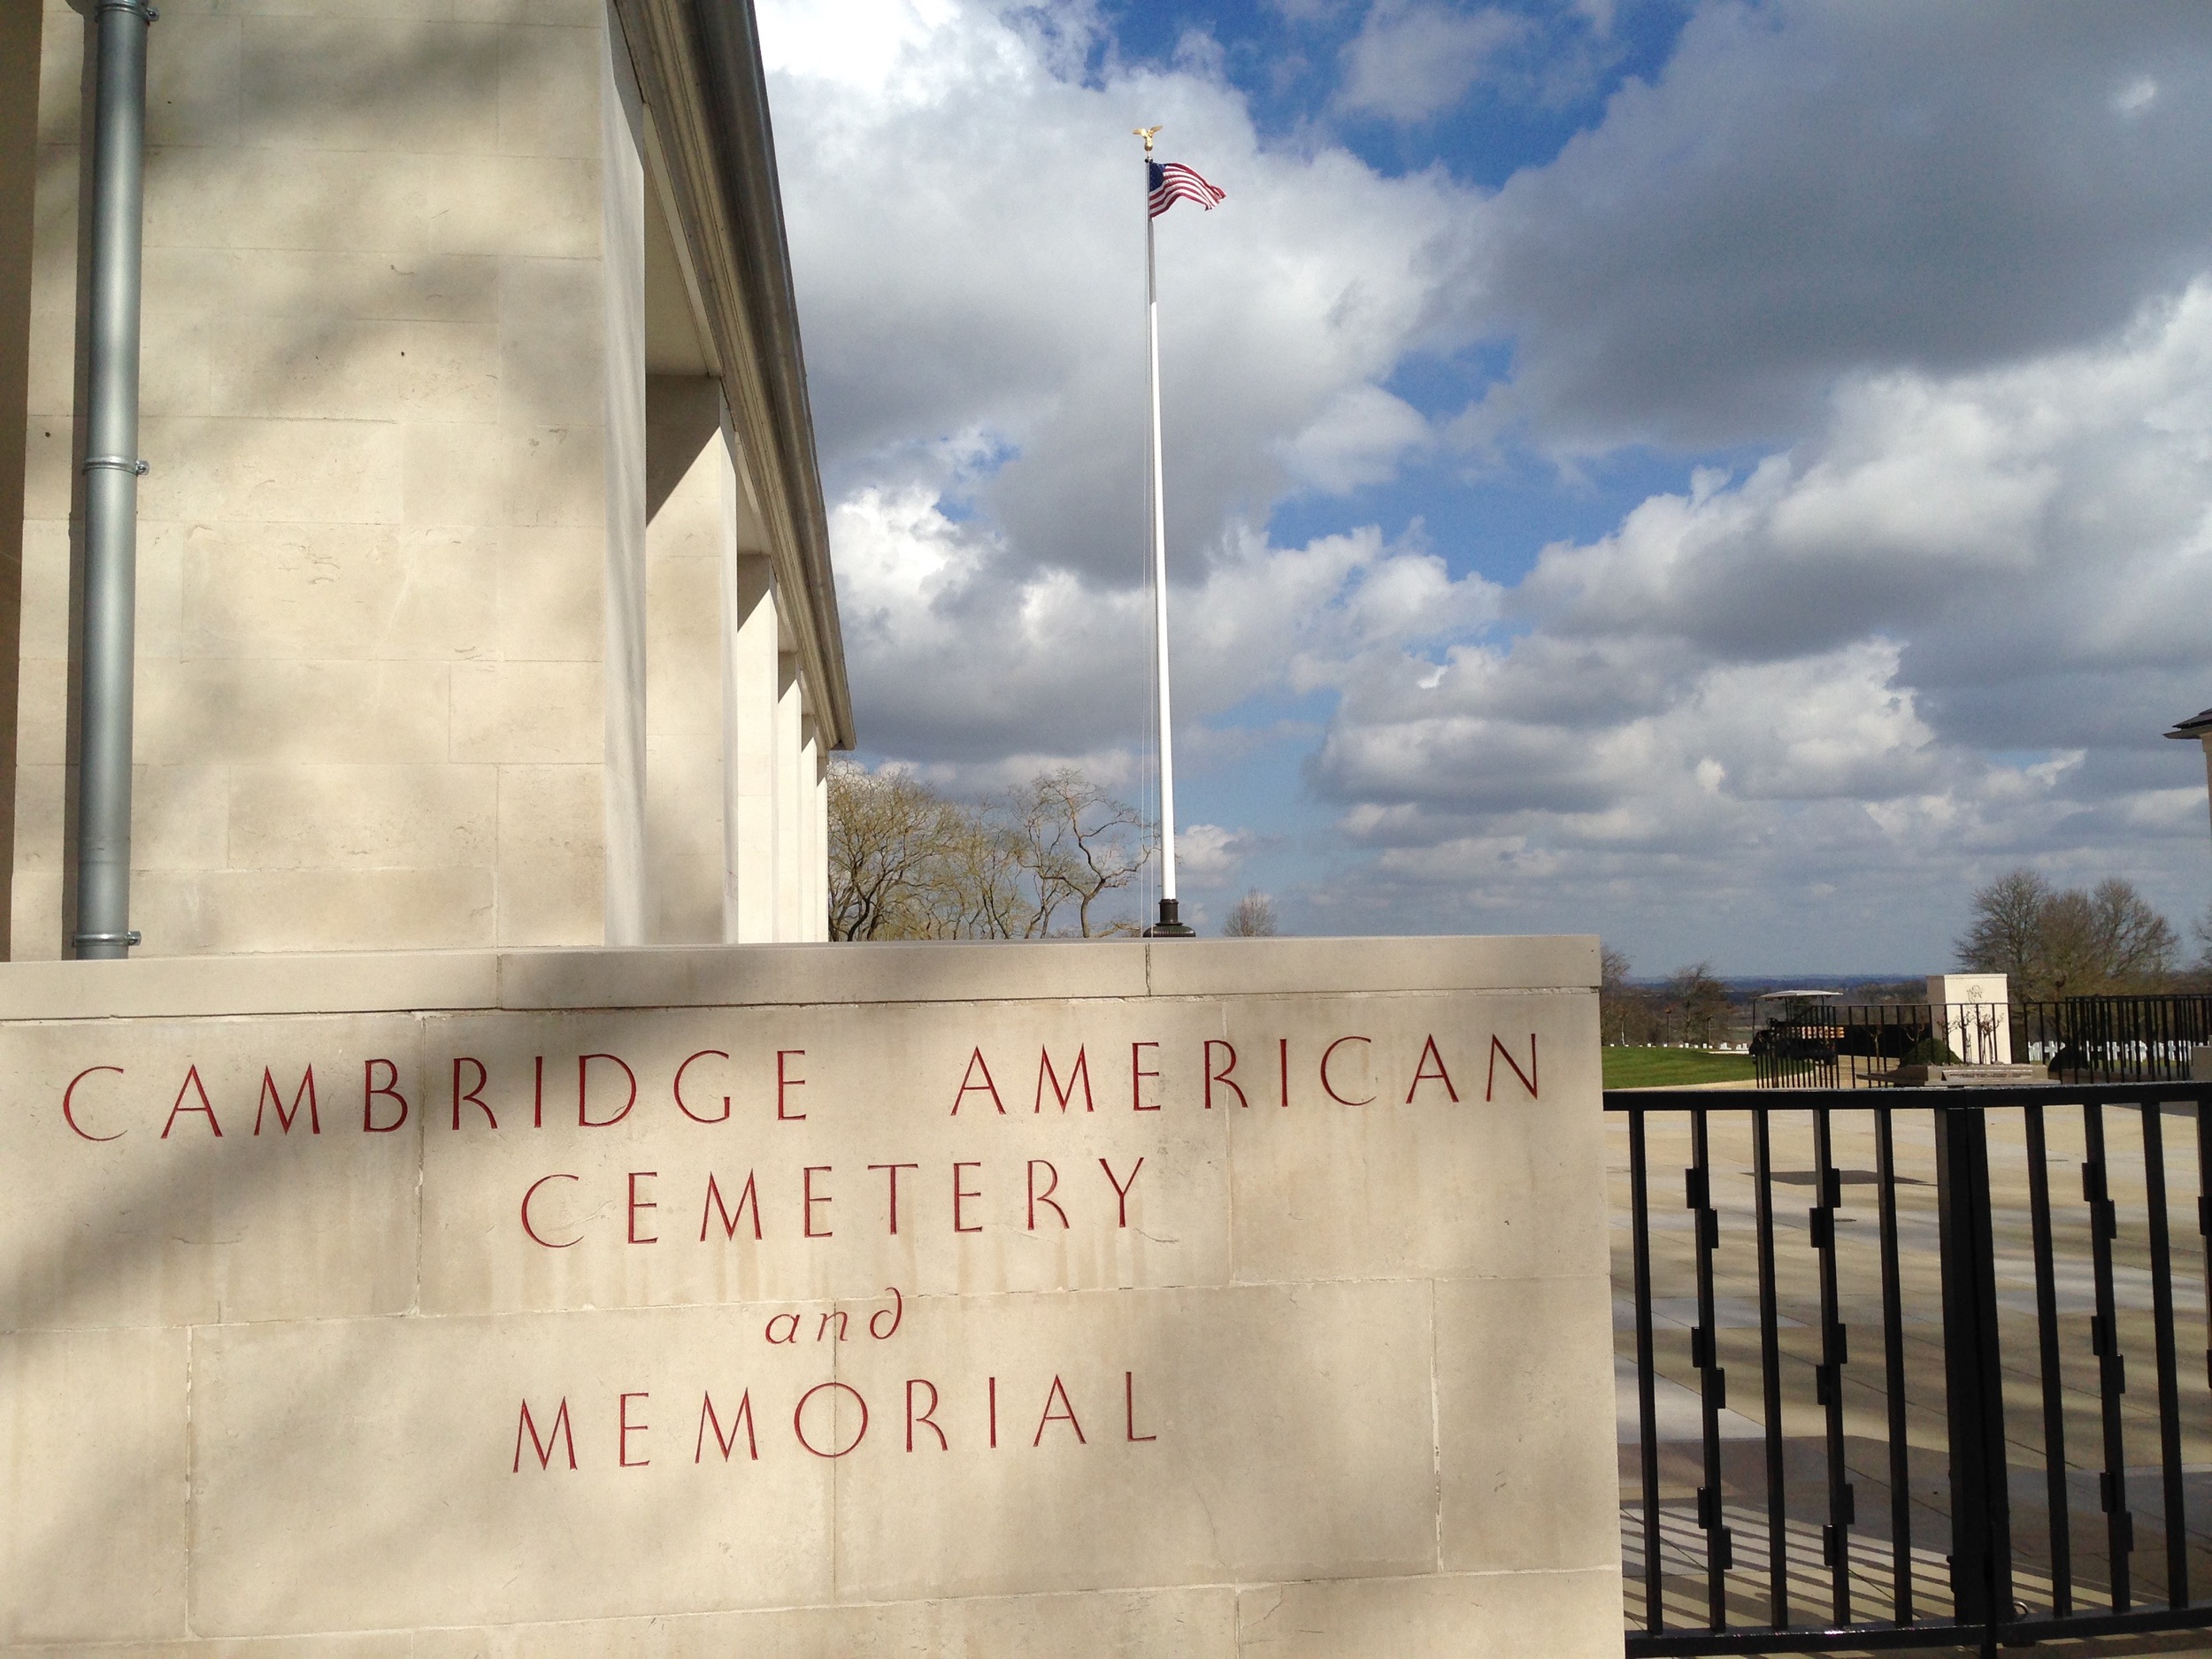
x: 1203, y: 1299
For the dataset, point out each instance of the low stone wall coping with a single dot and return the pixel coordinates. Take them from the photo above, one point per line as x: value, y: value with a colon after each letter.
x: 707, y: 976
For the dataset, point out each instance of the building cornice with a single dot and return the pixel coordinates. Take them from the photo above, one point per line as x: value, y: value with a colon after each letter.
x: 698, y: 70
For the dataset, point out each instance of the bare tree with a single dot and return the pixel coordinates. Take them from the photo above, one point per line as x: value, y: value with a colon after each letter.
x: 2052, y: 942
x: 888, y: 834
x: 2066, y: 956
x: 1626, y: 1013
x: 981, y: 890
x: 1697, y: 1005
x: 1077, y: 843
x: 907, y: 862
x: 1252, y: 917
x: 2200, y: 971
x: 2007, y: 933
x: 2137, y: 947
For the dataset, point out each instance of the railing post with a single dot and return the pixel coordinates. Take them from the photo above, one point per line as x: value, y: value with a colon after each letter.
x: 1981, y: 1521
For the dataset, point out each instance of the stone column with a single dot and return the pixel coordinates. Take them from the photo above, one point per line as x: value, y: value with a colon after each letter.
x: 822, y: 840
x: 622, y: 202
x: 2206, y: 741
x: 811, y: 852
x: 749, y: 686
x: 20, y: 67
x: 688, y: 545
x: 790, y: 847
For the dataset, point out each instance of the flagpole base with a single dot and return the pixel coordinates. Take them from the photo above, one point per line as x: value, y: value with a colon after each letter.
x: 1171, y: 924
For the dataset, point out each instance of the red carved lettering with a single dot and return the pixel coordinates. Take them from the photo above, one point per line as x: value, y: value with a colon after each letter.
x: 822, y: 1330
x: 968, y: 1084
x: 785, y: 1083
x: 1328, y: 1088
x: 959, y: 1193
x: 1282, y: 1047
x: 637, y: 1204
x: 1222, y: 1077
x: 677, y: 1088
x: 1129, y: 1408
x: 897, y: 1310
x: 285, y: 1119
x: 389, y: 1089
x: 69, y: 1116
x: 729, y: 1222
x: 913, y: 1383
x: 584, y: 1120
x: 1121, y: 1192
x: 744, y: 1416
x: 474, y: 1097
x: 192, y: 1082
x: 798, y: 1419
x: 531, y: 1231
x: 806, y: 1183
x: 789, y: 1336
x: 537, y: 1094
x: 1528, y: 1079
x: 622, y: 1449
x: 1045, y: 1197
x: 1421, y: 1074
x: 1080, y: 1074
x: 1137, y: 1076
x: 544, y: 1447
x: 993, y: 1397
x: 1065, y: 1415
x: 893, y: 1178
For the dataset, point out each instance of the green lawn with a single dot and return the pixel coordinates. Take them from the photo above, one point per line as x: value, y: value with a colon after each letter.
x: 1661, y: 1068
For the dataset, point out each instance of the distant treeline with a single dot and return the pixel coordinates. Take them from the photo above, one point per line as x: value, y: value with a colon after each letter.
x: 2050, y: 942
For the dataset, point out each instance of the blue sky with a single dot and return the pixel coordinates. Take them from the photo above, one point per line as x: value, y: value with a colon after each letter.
x: 1550, y: 80
x: 1727, y: 476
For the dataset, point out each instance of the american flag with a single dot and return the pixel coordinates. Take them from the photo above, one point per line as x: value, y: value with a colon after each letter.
x: 1173, y: 182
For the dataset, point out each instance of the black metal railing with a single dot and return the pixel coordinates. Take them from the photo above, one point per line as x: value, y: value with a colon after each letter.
x: 2076, y: 1039
x: 2112, y: 1038
x: 2016, y: 1490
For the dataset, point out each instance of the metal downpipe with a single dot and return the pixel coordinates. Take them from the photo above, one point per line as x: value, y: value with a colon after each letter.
x: 111, y: 471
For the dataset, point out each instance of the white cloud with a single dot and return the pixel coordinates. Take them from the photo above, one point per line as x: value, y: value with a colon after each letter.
x: 2045, y: 518
x: 967, y: 241
x: 1411, y: 60
x: 1839, y: 659
x: 1934, y: 264
x: 959, y: 655
x: 1208, y: 855
x: 1359, y: 438
x: 874, y: 46
x: 1825, y: 188
x: 2138, y: 96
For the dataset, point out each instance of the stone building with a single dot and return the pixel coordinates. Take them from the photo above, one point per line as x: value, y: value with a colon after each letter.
x: 484, y: 593
x: 351, y: 1299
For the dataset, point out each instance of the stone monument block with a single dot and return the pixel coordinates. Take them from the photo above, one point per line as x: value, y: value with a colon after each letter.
x: 1195, y: 1299
x: 1975, y: 1015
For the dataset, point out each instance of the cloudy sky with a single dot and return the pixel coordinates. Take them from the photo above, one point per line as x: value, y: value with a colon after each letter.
x: 1730, y: 477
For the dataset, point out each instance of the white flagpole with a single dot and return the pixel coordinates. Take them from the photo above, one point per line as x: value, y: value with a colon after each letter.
x: 1171, y: 923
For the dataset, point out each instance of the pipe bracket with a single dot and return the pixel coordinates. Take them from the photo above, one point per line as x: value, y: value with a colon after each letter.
x: 136, y: 8
x: 131, y: 938
x: 120, y: 463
